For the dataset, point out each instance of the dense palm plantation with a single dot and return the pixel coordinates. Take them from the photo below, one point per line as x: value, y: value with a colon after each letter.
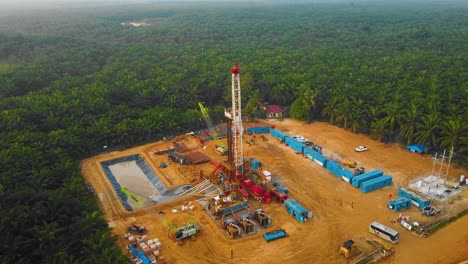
x: 76, y: 80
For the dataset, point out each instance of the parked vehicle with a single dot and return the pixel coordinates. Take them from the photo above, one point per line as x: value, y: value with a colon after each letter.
x: 360, y: 149
x: 384, y: 232
x: 137, y: 229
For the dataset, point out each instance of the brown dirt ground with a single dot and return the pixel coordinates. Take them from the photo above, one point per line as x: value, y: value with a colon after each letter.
x: 316, y: 241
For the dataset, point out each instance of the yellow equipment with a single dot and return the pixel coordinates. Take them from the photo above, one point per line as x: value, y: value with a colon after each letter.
x: 137, y: 200
x: 349, y: 249
x: 351, y: 164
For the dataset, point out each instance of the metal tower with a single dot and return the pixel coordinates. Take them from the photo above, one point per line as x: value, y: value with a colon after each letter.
x: 236, y: 156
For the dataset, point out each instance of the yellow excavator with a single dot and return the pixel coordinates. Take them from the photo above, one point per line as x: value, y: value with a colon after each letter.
x: 349, y: 249
x: 351, y: 163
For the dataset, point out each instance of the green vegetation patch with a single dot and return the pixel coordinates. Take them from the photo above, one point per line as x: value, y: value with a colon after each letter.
x: 6, y: 68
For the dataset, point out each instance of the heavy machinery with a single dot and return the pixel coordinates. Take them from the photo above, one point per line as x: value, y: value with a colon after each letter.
x: 219, y: 148
x: 137, y: 229
x: 349, y: 249
x: 137, y: 200
x: 350, y: 163
x: 183, y: 232
x: 359, y: 171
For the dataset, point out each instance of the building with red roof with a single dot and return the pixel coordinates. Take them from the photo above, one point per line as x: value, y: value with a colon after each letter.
x: 273, y: 111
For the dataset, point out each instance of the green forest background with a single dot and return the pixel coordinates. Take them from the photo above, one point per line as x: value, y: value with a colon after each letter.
x: 75, y: 80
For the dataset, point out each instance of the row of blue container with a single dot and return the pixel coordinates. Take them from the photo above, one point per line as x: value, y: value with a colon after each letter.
x: 373, y: 180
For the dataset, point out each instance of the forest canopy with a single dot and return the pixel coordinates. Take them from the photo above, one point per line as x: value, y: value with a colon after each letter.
x: 74, y: 80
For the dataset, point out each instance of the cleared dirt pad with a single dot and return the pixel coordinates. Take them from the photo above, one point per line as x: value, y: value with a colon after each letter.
x: 330, y: 199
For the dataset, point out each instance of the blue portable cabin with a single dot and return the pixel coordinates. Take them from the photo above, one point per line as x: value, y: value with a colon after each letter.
x: 377, y: 183
x: 338, y: 170
x: 315, y: 156
x: 403, y: 192
x: 278, y: 134
x: 358, y: 180
x: 276, y: 234
x: 399, y: 204
x: 258, y: 130
x: 297, y: 210
x: 415, y: 199
x: 255, y: 164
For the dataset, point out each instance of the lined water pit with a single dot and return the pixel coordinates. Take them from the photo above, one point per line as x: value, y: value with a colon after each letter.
x: 136, y: 184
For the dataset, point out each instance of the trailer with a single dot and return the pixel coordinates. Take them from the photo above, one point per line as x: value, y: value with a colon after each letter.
x: 376, y: 183
x: 358, y: 180
x: 399, y: 204
x: 298, y: 211
x: 276, y: 234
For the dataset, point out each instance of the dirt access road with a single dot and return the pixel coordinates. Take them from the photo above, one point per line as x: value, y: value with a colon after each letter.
x: 341, y: 212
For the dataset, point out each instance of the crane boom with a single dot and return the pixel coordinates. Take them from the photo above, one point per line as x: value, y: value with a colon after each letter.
x: 211, y: 128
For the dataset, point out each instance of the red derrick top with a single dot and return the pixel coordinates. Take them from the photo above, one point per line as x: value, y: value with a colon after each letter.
x: 236, y: 70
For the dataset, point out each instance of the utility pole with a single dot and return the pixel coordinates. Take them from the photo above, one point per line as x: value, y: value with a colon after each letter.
x: 440, y: 169
x: 448, y: 166
x: 432, y: 173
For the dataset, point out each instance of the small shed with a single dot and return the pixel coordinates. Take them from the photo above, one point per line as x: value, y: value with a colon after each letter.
x: 416, y: 148
x: 273, y: 111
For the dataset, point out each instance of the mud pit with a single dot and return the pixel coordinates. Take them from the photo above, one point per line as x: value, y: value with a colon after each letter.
x: 330, y: 199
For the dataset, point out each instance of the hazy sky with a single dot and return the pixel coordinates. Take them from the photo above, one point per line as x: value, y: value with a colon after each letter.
x: 47, y: 4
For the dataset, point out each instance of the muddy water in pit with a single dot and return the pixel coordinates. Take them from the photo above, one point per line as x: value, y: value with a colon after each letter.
x: 130, y: 176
